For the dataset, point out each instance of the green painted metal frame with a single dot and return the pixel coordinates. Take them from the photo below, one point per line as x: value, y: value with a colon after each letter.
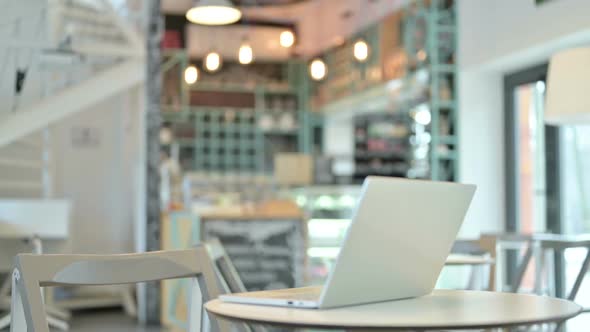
x: 295, y: 71
x: 433, y: 11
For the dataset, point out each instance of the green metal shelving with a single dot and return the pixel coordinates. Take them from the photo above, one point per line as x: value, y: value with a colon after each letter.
x: 229, y: 139
x: 434, y: 20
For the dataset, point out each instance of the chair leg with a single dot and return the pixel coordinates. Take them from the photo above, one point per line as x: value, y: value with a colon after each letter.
x: 4, y: 321
x: 195, y: 308
x: 473, y: 277
x: 129, y: 302
x: 5, y: 289
x: 57, y: 312
x: 17, y: 320
x: 58, y: 323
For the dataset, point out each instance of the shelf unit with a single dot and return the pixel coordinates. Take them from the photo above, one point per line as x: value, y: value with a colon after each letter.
x: 388, y: 144
x: 271, y: 117
x: 430, y: 40
x: 346, y: 76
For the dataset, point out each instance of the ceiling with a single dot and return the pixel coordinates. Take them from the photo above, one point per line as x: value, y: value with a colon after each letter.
x: 266, y: 2
x: 320, y: 24
x: 263, y: 40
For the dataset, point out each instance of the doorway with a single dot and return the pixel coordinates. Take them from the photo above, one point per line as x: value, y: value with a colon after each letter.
x: 532, y: 164
x: 547, y: 175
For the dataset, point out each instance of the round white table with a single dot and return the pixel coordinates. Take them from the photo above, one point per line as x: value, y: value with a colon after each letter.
x: 464, y: 259
x: 443, y: 309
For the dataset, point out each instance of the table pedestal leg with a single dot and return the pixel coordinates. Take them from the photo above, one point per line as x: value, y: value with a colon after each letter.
x: 580, y: 277
x: 522, y: 266
x: 539, y: 262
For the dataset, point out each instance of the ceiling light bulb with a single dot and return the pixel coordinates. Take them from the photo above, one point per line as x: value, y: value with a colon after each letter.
x: 213, y: 61
x: 213, y: 12
x: 191, y: 75
x: 245, y: 55
x: 361, y: 51
x: 422, y: 115
x: 287, y: 38
x: 166, y: 136
x: 318, y: 69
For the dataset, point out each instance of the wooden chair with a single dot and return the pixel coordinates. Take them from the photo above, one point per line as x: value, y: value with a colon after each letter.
x: 227, y: 275
x: 34, y: 271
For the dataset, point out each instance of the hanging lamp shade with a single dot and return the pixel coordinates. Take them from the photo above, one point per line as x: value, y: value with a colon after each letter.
x: 213, y: 12
x: 568, y: 88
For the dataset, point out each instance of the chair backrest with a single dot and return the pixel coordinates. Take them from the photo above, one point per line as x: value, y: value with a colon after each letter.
x: 228, y: 277
x: 34, y: 271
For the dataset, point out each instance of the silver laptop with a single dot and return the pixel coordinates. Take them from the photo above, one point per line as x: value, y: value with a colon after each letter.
x: 400, y: 236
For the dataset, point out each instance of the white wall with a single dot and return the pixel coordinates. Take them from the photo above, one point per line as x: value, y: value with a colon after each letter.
x: 495, y: 38
x: 320, y: 23
x: 100, y: 180
x: 338, y: 137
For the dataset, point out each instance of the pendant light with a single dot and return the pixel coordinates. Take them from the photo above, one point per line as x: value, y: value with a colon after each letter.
x: 318, y: 69
x: 213, y: 12
x: 568, y: 79
x: 191, y: 75
x: 245, y: 54
x: 212, y: 61
x: 361, y: 50
x: 287, y: 38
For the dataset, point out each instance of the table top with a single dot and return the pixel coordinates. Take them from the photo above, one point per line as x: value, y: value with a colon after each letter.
x: 463, y: 259
x: 548, y: 239
x: 563, y: 240
x: 443, y: 309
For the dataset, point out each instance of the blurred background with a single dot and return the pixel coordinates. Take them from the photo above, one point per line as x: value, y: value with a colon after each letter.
x: 130, y: 125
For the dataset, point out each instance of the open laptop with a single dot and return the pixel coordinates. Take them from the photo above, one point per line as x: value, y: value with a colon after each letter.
x: 400, y: 236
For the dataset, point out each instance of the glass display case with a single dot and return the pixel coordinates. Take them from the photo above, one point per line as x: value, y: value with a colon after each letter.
x: 329, y: 209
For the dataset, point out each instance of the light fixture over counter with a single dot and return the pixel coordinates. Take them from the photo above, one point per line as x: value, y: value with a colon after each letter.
x: 245, y: 54
x: 287, y: 38
x: 318, y: 69
x: 191, y: 75
x: 213, y: 12
x: 361, y: 50
x: 212, y: 62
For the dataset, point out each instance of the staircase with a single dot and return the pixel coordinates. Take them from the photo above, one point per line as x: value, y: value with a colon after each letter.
x: 22, y: 166
x: 57, y: 58
x: 54, y: 49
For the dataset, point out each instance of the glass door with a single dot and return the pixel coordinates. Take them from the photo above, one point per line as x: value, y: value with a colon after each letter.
x: 528, y: 152
x: 547, y: 179
x: 575, y: 170
x: 530, y: 182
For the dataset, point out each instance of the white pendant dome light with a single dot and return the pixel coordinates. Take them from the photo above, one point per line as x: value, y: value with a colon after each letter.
x: 213, y: 12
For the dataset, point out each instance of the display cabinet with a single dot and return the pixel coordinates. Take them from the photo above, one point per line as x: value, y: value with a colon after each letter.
x: 237, y: 119
x: 328, y: 209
